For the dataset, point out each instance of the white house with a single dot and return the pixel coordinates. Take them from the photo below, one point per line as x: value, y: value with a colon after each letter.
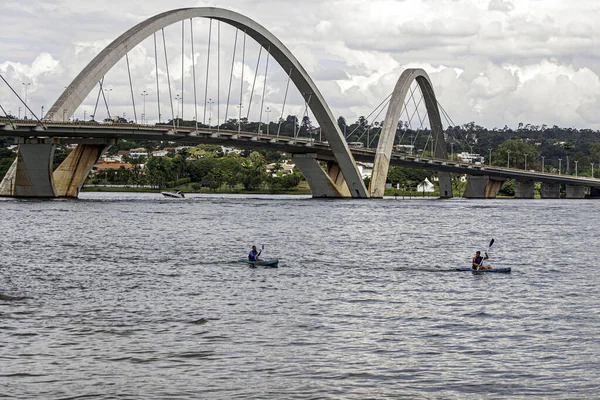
x: 227, y: 150
x: 365, y: 169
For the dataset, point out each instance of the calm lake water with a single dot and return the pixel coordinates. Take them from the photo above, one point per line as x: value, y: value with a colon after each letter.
x: 135, y: 296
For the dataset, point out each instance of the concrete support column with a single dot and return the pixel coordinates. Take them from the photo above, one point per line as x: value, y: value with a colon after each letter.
x: 483, y: 187
x: 550, y: 190
x: 381, y: 167
x: 575, y: 192
x: 524, y: 189
x: 337, y: 177
x: 70, y: 176
x: 445, y: 183
x: 594, y: 193
x: 30, y: 175
x: 321, y: 184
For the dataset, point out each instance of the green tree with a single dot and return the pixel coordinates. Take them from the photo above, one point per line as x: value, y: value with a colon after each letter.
x: 520, y: 152
x: 6, y: 159
x: 253, y: 172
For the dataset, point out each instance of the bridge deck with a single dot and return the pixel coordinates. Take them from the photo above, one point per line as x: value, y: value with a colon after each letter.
x: 91, y: 132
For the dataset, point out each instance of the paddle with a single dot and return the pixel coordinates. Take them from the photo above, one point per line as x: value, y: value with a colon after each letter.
x: 489, y: 246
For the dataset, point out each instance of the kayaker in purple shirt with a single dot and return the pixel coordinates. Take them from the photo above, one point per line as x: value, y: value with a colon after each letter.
x: 253, y: 255
x: 478, y: 261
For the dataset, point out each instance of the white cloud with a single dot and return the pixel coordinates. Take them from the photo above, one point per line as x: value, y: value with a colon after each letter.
x: 494, y: 62
x: 500, y: 5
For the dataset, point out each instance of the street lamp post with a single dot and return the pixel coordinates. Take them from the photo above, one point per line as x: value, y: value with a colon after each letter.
x: 490, y: 159
x: 108, y: 97
x: 19, y: 112
x: 268, y: 111
x: 543, y: 163
x: 508, y: 162
x: 144, y: 94
x: 559, y: 165
x: 42, y: 115
x: 592, y: 170
x: 576, y: 161
x: 240, y: 106
x: 26, y: 84
x: 525, y: 162
x: 452, y: 151
x: 210, y: 103
x: 177, y: 116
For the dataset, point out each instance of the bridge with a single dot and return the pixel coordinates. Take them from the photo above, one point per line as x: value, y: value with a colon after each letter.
x: 484, y: 181
x: 31, y: 174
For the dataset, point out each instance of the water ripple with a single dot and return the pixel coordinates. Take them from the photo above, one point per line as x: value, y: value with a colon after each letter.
x: 148, y: 300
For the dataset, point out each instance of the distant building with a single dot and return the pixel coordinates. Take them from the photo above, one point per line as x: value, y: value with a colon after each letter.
x: 365, y: 169
x: 139, y: 152
x: 287, y: 168
x: 103, y: 165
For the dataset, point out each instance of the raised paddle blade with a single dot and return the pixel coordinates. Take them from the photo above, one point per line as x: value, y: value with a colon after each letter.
x: 491, y: 243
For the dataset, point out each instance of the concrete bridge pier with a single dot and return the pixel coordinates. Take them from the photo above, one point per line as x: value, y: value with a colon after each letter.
x: 30, y: 175
x: 71, y: 174
x: 445, y: 183
x: 575, y: 191
x: 550, y: 190
x: 594, y: 193
x: 321, y: 183
x: 483, y: 186
x: 524, y: 189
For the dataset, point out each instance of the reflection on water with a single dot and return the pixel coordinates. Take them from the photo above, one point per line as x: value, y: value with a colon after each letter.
x: 138, y: 296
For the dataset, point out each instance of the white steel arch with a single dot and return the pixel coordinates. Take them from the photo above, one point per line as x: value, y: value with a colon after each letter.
x: 87, y: 79
x: 388, y: 132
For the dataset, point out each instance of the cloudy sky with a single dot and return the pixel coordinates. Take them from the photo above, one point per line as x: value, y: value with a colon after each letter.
x: 495, y: 62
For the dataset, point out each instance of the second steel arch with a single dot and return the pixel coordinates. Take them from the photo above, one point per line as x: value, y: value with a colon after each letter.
x: 388, y: 132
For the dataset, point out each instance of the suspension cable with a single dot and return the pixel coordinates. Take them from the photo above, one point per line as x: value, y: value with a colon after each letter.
x: 218, y: 74
x: 284, y: 100
x: 168, y: 79
x: 104, y: 98
x: 387, y: 99
x: 231, y: 74
x: 207, y: 68
x: 8, y: 116
x: 98, y: 97
x: 194, y: 74
x: 264, y: 89
x: 304, y: 114
x: 254, y: 82
x: 242, y: 82
x: 182, y: 69
x: 156, y: 68
x: 131, y: 87
x: 21, y: 100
